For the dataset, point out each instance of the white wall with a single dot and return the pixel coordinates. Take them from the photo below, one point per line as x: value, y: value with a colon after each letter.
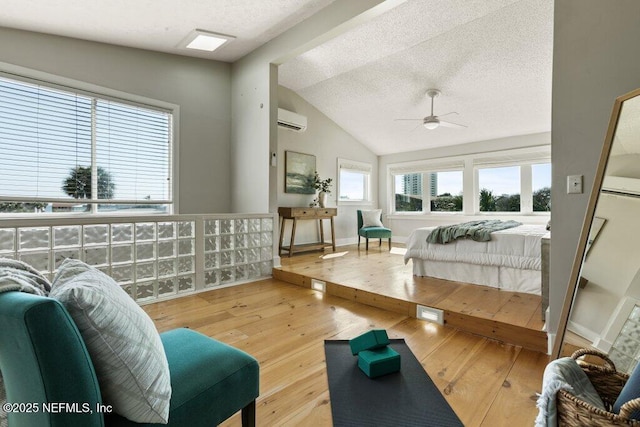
x: 254, y: 98
x: 402, y: 225
x: 201, y: 88
x: 611, y: 264
x: 594, y: 61
x: 328, y: 142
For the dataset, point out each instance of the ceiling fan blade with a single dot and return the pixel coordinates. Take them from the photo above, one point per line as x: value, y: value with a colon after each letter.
x: 451, y: 112
x: 451, y: 125
x: 397, y: 120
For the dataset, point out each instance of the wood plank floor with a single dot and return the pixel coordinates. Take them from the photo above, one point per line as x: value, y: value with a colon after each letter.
x: 284, y: 326
x: 381, y: 279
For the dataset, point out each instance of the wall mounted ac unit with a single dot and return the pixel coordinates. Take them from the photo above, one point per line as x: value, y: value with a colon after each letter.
x: 292, y: 121
x: 621, y: 185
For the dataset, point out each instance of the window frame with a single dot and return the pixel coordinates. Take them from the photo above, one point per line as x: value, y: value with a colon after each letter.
x: 525, y: 158
x: 354, y: 166
x: 55, y: 82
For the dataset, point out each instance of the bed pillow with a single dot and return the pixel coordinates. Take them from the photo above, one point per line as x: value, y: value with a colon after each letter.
x: 122, y: 340
x: 372, y: 218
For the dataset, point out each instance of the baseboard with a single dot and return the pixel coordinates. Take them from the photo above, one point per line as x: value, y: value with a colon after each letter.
x: 582, y: 331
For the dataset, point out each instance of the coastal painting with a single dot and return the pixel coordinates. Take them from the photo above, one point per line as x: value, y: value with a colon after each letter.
x: 300, y: 171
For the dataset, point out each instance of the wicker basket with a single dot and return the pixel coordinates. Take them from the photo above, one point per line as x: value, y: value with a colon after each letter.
x: 608, y: 383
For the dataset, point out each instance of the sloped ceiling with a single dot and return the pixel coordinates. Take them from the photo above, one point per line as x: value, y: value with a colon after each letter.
x: 492, y: 59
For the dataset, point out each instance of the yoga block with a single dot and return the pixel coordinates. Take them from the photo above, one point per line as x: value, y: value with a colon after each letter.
x: 381, y: 361
x: 373, y: 339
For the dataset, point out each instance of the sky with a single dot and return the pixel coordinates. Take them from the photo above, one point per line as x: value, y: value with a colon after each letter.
x: 502, y: 180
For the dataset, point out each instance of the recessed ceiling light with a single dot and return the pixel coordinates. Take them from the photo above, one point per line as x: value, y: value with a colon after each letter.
x: 205, y: 40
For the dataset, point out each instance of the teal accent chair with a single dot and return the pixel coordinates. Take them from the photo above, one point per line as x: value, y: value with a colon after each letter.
x: 372, y: 232
x: 44, y: 359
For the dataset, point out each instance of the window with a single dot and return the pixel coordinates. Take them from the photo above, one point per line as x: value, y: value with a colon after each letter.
x: 499, y: 189
x: 62, y: 150
x: 353, y: 181
x: 442, y: 190
x: 541, y: 177
x: 445, y: 191
x: 408, y: 192
x: 509, y: 181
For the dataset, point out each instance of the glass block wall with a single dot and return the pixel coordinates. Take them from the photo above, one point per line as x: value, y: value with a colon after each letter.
x: 155, y: 257
x: 625, y: 351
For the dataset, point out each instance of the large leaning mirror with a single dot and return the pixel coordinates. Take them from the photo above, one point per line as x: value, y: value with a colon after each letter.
x: 602, y: 306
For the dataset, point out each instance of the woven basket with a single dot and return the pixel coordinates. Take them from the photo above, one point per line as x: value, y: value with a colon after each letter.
x: 574, y: 412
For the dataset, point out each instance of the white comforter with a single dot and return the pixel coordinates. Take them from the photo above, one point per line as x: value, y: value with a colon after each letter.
x: 517, y: 247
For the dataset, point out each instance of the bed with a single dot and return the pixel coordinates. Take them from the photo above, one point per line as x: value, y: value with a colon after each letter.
x: 510, y: 260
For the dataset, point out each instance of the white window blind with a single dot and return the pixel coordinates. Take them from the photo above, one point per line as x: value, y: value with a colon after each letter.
x: 440, y: 166
x: 59, y: 146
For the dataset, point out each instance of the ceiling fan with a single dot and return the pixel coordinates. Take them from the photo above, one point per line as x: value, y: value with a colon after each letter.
x: 432, y: 122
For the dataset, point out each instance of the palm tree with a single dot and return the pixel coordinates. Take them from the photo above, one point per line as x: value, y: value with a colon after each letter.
x: 78, y: 183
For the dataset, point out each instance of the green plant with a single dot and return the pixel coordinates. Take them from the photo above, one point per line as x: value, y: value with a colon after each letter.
x: 324, y: 185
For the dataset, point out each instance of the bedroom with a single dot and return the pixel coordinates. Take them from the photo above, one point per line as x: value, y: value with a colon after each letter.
x: 584, y: 87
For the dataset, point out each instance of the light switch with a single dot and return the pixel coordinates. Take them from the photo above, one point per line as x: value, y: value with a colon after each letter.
x: 574, y: 184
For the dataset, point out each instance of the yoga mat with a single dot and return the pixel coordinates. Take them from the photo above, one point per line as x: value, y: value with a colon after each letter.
x: 405, y: 398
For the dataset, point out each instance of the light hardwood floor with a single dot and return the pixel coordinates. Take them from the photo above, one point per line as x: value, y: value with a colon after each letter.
x: 284, y: 326
x: 380, y: 278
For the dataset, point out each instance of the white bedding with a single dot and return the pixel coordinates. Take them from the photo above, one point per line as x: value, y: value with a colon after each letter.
x: 511, y: 260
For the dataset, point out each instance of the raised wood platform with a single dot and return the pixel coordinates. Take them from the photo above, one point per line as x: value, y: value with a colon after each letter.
x: 381, y: 279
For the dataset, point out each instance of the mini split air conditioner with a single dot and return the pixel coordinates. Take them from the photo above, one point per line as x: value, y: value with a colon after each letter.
x: 292, y: 121
x: 621, y: 185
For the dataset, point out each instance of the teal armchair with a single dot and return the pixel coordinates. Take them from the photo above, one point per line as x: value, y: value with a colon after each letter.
x: 372, y: 232
x: 43, y: 358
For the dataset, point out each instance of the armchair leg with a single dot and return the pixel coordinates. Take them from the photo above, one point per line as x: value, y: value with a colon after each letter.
x: 249, y: 415
x: 380, y: 242
x: 367, y: 246
x: 389, y: 243
x: 358, y: 241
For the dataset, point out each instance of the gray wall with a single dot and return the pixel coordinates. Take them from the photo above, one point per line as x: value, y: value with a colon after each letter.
x: 201, y: 88
x: 328, y: 142
x: 594, y: 61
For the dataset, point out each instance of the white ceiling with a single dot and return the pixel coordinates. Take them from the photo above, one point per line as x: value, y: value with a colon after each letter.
x: 161, y: 24
x: 492, y: 59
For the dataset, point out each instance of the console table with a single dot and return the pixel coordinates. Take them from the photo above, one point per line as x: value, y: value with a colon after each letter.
x: 296, y: 214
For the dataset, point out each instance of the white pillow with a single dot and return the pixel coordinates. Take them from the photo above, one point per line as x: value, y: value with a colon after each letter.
x: 122, y: 340
x: 372, y: 218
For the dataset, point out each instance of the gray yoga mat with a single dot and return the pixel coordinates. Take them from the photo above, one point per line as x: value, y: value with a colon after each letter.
x: 405, y: 398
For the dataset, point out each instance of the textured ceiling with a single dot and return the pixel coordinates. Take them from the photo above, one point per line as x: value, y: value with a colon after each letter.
x: 161, y: 24
x: 492, y: 60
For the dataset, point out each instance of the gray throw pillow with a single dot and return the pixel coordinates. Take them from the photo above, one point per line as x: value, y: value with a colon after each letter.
x: 122, y: 340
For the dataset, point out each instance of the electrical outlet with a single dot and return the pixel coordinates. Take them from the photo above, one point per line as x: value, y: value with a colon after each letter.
x: 574, y: 184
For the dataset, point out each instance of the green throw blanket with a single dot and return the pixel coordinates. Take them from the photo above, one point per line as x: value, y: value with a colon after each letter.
x: 480, y: 230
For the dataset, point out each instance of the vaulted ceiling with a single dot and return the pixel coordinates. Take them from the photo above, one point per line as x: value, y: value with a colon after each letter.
x: 491, y: 59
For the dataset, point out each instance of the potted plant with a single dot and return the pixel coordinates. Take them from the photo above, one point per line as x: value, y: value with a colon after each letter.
x: 324, y: 187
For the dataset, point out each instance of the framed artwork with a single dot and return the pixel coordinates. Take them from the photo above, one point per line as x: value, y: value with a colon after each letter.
x: 299, y: 172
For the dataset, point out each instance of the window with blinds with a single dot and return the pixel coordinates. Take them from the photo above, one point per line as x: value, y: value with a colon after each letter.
x: 65, y: 151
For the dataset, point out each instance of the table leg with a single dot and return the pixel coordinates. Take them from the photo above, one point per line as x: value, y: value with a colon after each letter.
x: 282, y: 222
x: 293, y: 236
x: 333, y: 236
x: 321, y: 231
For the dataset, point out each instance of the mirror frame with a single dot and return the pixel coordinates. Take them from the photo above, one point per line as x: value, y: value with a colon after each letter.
x: 586, y: 225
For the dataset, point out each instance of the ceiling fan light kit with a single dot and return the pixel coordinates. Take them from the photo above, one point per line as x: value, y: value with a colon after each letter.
x: 432, y: 121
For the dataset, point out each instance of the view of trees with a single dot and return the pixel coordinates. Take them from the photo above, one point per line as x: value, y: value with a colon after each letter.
x: 488, y: 202
x: 17, y: 207
x: 78, y: 183
x: 446, y: 203
x: 511, y: 202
